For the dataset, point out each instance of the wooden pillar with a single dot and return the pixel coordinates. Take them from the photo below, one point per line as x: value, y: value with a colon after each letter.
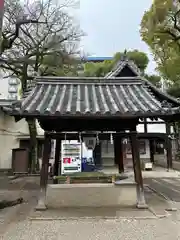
x: 141, y: 203
x: 44, y: 173
x: 124, y: 146
x: 168, y: 146
x: 118, y: 153
x: 97, y: 156
x: 145, y: 125
x: 57, y: 160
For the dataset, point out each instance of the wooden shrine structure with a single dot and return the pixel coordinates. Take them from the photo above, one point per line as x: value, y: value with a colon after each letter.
x: 90, y: 105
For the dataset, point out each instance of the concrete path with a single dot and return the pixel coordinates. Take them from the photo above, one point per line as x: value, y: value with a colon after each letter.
x: 167, y: 187
x: 157, y: 172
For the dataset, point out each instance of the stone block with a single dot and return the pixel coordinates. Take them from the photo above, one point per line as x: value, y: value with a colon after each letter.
x: 91, y: 195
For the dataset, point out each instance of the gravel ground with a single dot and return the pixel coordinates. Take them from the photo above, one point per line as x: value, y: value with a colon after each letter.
x: 19, y: 227
x: 125, y: 229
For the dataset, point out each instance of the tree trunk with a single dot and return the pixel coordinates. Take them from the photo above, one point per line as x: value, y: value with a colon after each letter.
x: 176, y: 129
x: 34, y: 164
x: 178, y: 135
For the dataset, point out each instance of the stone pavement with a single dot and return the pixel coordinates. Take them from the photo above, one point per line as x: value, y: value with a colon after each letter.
x: 22, y: 222
x: 157, y: 172
x: 157, y: 206
x: 91, y: 229
x: 19, y: 212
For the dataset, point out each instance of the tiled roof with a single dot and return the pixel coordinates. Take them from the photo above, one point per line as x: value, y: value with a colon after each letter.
x: 122, y: 97
x: 6, y: 102
x: 119, y: 67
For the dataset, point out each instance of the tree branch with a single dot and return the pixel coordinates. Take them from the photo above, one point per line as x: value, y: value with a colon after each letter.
x: 7, y: 43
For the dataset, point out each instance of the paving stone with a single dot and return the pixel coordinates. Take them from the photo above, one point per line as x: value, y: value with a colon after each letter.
x: 106, y: 229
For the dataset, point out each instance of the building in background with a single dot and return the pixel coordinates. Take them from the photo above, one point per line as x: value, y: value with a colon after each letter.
x: 13, y: 88
x: 95, y: 59
x: 9, y: 87
x: 91, y: 59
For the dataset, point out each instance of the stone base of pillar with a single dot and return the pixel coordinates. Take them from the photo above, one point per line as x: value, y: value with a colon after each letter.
x: 41, y: 206
x: 141, y: 202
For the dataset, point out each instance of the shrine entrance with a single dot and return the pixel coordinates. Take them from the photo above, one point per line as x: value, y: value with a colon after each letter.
x: 91, y: 106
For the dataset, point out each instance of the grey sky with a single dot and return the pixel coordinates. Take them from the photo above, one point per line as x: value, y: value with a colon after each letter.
x: 112, y: 25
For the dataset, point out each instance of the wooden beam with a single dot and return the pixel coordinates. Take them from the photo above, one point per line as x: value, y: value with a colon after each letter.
x: 152, y: 150
x: 147, y: 122
x: 97, y: 156
x: 101, y: 135
x: 88, y: 124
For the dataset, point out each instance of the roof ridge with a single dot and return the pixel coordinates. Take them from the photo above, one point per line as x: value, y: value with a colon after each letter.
x: 77, y: 78
x: 120, y: 65
x: 90, y: 80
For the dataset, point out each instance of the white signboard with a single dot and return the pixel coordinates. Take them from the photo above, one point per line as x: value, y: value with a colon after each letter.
x: 70, y: 157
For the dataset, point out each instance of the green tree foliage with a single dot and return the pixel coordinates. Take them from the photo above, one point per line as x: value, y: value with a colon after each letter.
x: 66, y: 65
x: 100, y: 69
x: 174, y: 89
x: 140, y: 59
x: 160, y: 29
x: 154, y: 79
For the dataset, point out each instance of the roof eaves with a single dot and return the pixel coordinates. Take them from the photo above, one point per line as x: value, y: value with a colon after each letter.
x: 165, y: 111
x: 158, y: 91
x: 6, y: 102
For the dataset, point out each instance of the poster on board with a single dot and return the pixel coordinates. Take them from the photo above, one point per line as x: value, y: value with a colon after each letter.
x: 70, y: 157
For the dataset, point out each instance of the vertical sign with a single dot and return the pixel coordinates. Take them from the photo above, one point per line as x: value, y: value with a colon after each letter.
x: 1, y: 20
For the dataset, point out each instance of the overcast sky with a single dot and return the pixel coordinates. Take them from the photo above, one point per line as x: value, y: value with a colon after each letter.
x: 112, y: 25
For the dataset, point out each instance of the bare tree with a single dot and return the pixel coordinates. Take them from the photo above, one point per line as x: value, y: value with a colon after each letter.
x: 56, y: 35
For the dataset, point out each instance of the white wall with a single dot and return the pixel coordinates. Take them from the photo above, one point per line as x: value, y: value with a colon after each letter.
x: 9, y: 133
x: 146, y: 155
x: 8, y: 139
x: 3, y: 87
x: 107, y: 150
x: 152, y: 128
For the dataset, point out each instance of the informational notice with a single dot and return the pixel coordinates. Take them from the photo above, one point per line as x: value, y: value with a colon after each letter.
x: 70, y: 157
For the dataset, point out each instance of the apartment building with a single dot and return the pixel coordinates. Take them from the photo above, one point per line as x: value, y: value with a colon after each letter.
x: 9, y: 87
